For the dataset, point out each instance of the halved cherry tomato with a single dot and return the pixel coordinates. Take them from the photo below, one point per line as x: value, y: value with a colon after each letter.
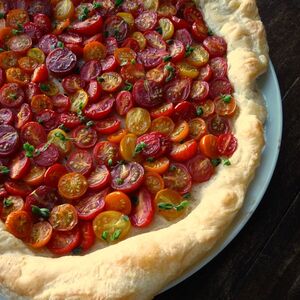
x: 192, y: 14
x: 99, y: 178
x: 19, y: 166
x: 17, y: 75
x: 177, y: 90
x: 105, y: 153
x: 199, y: 30
x: 181, y: 131
x: 17, y: 188
x: 40, y: 102
x: 155, y: 40
x: 124, y: 56
x: 69, y: 120
x: 118, y: 201
x: 138, y: 120
x: 159, y: 165
x: 163, y: 124
x: 151, y: 5
x: 46, y: 155
x: 215, y: 45
x: 48, y: 118
x: 53, y: 174
x: 153, y: 182
x: 127, y: 17
x: 17, y: 17
x: 124, y: 102
x: 217, y: 125
x: 35, y: 176
x: 184, y: 36
x: 63, y: 217
x: 28, y: 64
x: 179, y: 23
x: 8, y: 59
x: 91, y: 205
x: 6, y: 116
x: 200, y: 168
x: 61, y: 26
x: 127, y: 177
x: 208, y: 146
x: 132, y: 44
x: 218, y: 67
x: 72, y: 83
x: 117, y: 136
x: 167, y: 28
x: 127, y: 147
x: 60, y: 139
x: 72, y: 186
x: 187, y: 70
x: 40, y: 235
x: 166, y: 203
x: 90, y: 26
x: 224, y: 107
x: 6, y: 33
x: 63, y: 242
x: 132, y: 72
x: 199, y: 57
x: 227, y: 144
x: 178, y: 178
x: 20, y: 43
x: 87, y: 235
x: 197, y: 128
x: 110, y: 81
x: 139, y: 37
x: 116, y: 27
x: 206, y: 109
x: 111, y: 226
x: 64, y: 9
x: 37, y: 54
x: 90, y: 70
x: 19, y: 224
x: 146, y: 21
x: 205, y: 73
x: 165, y: 110
x: 33, y: 133
x: 94, y: 50
x: 166, y: 10
x: 176, y: 50
x: 185, y: 151
x: 43, y: 21
x: 143, y: 211
x: 84, y: 137
x: 16, y: 203
x: 80, y: 161
x: 109, y: 64
x: 93, y: 90
x: 108, y: 125
x: 79, y: 100
x: 199, y: 90
x: 151, y: 57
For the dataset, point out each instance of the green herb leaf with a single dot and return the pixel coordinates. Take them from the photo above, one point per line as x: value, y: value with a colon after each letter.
x: 77, y: 251
x: 128, y: 86
x: 90, y: 123
x: 13, y: 96
x: 104, y: 235
x: 110, y: 162
x: 2, y: 15
x: 4, y: 170
x: 199, y: 111
x: 2, y: 50
x: 188, y: 51
x: 226, y: 162
x: 85, y: 13
x: 159, y: 30
x: 61, y: 136
x: 60, y: 44
x: 44, y: 87
x: 29, y: 149
x: 7, y: 202
x: 167, y: 58
x: 116, y: 234
x: 119, y: 181
x: 187, y: 196
x: 210, y: 32
x: 172, y: 72
x: 106, y: 34
x: 64, y: 128
x: 169, y: 206
x: 125, y: 218
x: 97, y: 5
x: 140, y: 147
x: 100, y: 79
x: 133, y: 61
x: 226, y: 98
x: 40, y: 212
x: 182, y: 205
x: 150, y: 159
x: 118, y: 2
x: 215, y: 161
x: 172, y: 168
x: 165, y: 206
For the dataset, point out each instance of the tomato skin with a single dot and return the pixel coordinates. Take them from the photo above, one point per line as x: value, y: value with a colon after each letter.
x: 72, y: 83
x: 124, y: 102
x: 176, y: 49
x: 48, y: 118
x: 80, y: 161
x: 43, y: 22
x: 19, y: 166
x: 114, y: 23
x: 223, y: 108
x: 208, y: 146
x: 17, y: 204
x: 200, y: 168
x: 17, y: 188
x: 153, y: 182
x: 179, y: 23
x: 46, y: 157
x: 118, y: 201
x: 227, y: 144
x: 109, y: 64
x: 19, y: 224
x: 185, y: 151
x: 184, y: 111
x: 105, y: 151
x: 199, y: 30
x: 165, y: 110
x: 87, y: 235
x: 99, y: 178
x: 146, y: 21
x: 91, y: 205
x: 93, y: 90
x: 108, y: 125
x: 100, y: 109
x: 133, y: 73
x: 53, y: 174
x: 70, y: 120
x: 63, y: 242
x: 177, y: 90
x: 90, y: 26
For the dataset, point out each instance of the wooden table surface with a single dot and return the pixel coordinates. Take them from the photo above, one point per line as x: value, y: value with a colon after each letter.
x: 263, y: 261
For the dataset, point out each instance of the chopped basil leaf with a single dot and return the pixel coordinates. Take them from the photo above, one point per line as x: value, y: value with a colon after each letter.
x: 150, y: 159
x: 4, y: 170
x: 44, y: 87
x: 128, y: 86
x: 133, y: 61
x: 118, y: 2
x: 110, y: 162
x: 7, y: 202
x: 119, y: 181
x: 40, y: 212
x: 172, y: 168
x: 159, y: 30
x: 140, y: 147
x: 125, y: 218
x: 90, y: 123
x: 64, y: 128
x: 168, y: 206
x: 167, y: 58
x: 61, y: 136
x: 165, y: 206
x: 116, y: 234
x: 2, y: 50
x: 226, y: 162
x: 210, y: 32
x: 106, y: 34
x: 104, y: 235
x: 172, y: 72
x: 215, y: 161
x: 226, y: 98
x: 77, y: 251
x: 60, y: 44
x: 187, y: 196
x: 85, y: 13
x: 29, y: 149
x: 199, y: 111
x: 188, y: 51
x: 100, y: 79
x: 2, y: 15
x: 97, y: 5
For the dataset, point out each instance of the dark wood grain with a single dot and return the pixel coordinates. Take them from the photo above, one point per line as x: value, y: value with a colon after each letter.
x: 263, y: 262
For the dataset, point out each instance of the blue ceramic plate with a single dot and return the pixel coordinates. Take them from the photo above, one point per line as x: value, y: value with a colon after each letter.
x: 268, y: 85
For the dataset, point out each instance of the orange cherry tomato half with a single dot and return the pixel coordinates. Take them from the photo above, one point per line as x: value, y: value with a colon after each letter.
x: 94, y: 50
x: 17, y: 17
x: 117, y: 136
x: 163, y: 124
x: 35, y: 176
x: 181, y: 131
x: 198, y: 128
x: 208, y: 145
x: 28, y: 64
x: 118, y: 201
x: 17, y: 75
x: 40, y: 102
x: 125, y: 56
x: 184, y: 151
x: 63, y: 217
x: 72, y: 186
x: 225, y: 106
x: 207, y: 108
x: 153, y: 182
x: 40, y: 235
x: 159, y: 165
x: 8, y: 59
x: 19, y: 224
x: 64, y: 9
x: 15, y: 203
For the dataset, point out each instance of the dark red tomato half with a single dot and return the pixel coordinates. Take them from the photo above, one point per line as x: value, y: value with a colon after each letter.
x: 91, y: 205
x: 132, y: 72
x: 33, y: 30
x: 219, y: 67
x: 115, y: 26
x: 63, y: 242
x: 219, y: 87
x: 127, y: 177
x: 87, y: 235
x: 9, y: 140
x: 33, y: 133
x: 90, y: 70
x: 184, y: 111
x: 11, y: 95
x: 177, y: 90
x: 48, y: 119
x: 217, y: 125
x: 100, y: 109
x: 108, y: 125
x: 17, y: 188
x: 151, y: 57
x: 23, y: 116
x: 109, y: 64
x: 47, y: 155
x: 93, y: 90
x: 200, y: 168
x: 53, y: 173
x: 184, y: 37
x: 72, y: 83
x: 80, y: 161
x: 43, y: 22
x: 215, y: 45
x: 61, y: 103
x: 40, y: 74
x: 227, y: 144
x: 69, y: 120
x: 176, y: 50
x: 19, y: 166
x: 143, y: 211
x: 48, y: 43
x: 146, y: 21
x: 6, y: 116
x: 99, y: 178
x: 124, y: 102
x: 84, y: 137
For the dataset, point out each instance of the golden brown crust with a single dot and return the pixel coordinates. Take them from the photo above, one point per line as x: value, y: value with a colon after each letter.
x: 141, y: 266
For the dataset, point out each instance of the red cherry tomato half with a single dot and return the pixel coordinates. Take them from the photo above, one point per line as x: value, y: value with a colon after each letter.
x: 205, y: 73
x: 80, y: 161
x: 105, y: 153
x: 185, y: 151
x: 124, y: 102
x: 109, y: 64
x: 72, y: 83
x: 19, y: 166
x: 199, y: 30
x: 227, y: 144
x: 61, y: 103
x: 155, y: 40
x: 47, y: 43
x: 201, y: 168
x: 219, y: 67
x: 33, y: 133
x: 69, y: 120
x: 90, y: 70
x: 87, y: 235
x: 116, y: 27
x: 53, y: 173
x: 176, y: 50
x: 84, y: 137
x: 108, y: 125
x: 219, y: 87
x: 143, y: 211
x: 90, y: 26
x: 184, y: 37
x: 6, y: 116
x: 177, y: 90
x: 133, y: 72
x: 93, y: 90
x: 100, y: 109
x: 99, y: 178
x: 184, y: 111
x: 11, y: 95
x: 192, y: 14
x: 215, y: 45
x: 91, y: 205
x: 43, y: 22
x: 199, y: 90
x: 17, y: 188
x: 165, y: 110
x: 9, y: 140
x: 48, y: 118
x: 146, y: 21
x: 217, y: 125
x: 47, y: 155
x: 20, y: 43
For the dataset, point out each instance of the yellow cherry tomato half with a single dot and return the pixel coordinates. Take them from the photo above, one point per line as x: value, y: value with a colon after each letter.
x: 64, y: 9
x: 79, y: 100
x: 139, y: 37
x: 163, y: 124
x: 187, y: 70
x: 124, y: 56
x: 180, y: 132
x: 199, y: 57
x: 127, y: 146
x: 167, y: 28
x: 37, y: 54
x: 127, y: 17
x: 151, y: 5
x: 138, y: 120
x: 60, y: 139
x: 111, y: 226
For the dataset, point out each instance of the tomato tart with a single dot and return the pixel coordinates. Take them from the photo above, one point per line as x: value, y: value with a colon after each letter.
x: 129, y: 133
